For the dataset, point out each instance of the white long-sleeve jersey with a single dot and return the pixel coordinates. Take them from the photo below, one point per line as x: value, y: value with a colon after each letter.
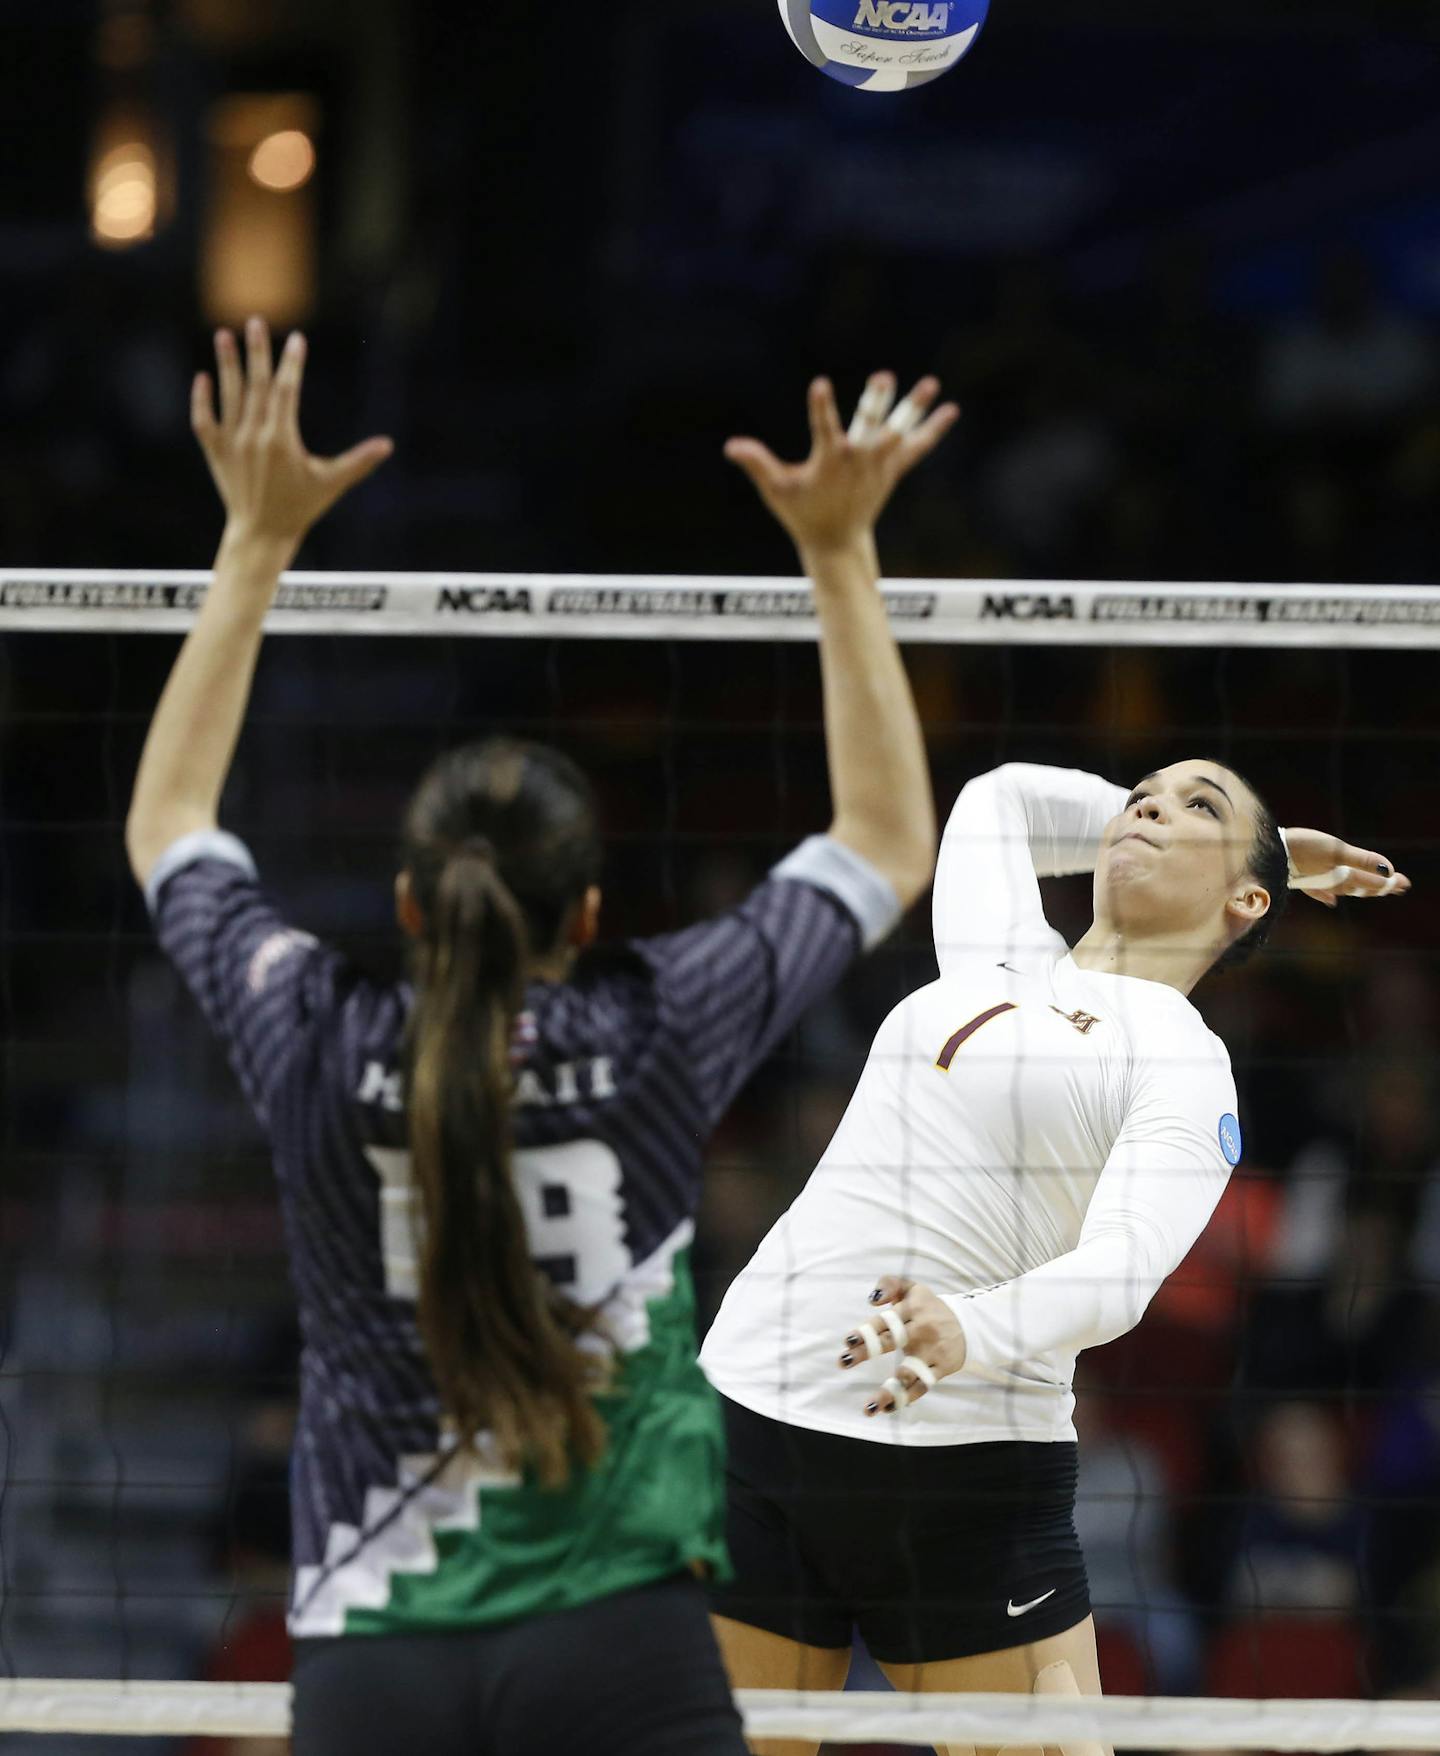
x: 1038, y: 1143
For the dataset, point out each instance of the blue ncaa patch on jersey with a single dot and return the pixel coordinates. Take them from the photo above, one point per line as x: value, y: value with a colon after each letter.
x: 1230, y: 1143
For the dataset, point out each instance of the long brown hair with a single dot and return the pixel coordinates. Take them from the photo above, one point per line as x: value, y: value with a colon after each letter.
x: 500, y: 843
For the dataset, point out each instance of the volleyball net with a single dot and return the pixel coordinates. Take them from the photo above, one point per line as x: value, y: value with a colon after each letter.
x: 262, y: 1711
x: 1260, y: 1460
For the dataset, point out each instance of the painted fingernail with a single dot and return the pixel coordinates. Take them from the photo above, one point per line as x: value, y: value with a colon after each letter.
x: 847, y: 1359
x: 1383, y: 869
x: 853, y: 1340
x: 877, y: 1295
x: 872, y: 1408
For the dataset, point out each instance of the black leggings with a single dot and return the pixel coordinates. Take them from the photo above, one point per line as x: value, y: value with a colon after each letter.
x: 637, y: 1674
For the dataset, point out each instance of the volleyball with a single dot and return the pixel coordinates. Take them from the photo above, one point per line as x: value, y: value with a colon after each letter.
x: 883, y: 45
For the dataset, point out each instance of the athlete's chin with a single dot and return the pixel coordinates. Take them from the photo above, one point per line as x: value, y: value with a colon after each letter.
x: 1128, y: 866
x: 1131, y: 900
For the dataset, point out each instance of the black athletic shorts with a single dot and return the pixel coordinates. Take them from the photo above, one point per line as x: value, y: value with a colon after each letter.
x: 932, y: 1552
x: 636, y: 1674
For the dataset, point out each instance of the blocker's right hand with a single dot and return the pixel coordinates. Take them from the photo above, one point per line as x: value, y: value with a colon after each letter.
x: 273, y: 488
x: 836, y: 495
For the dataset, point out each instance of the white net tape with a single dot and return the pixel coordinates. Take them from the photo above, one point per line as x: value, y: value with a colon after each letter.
x: 618, y: 606
x: 1125, y: 1722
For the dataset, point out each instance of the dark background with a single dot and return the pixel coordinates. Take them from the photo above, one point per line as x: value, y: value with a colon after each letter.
x: 1180, y: 264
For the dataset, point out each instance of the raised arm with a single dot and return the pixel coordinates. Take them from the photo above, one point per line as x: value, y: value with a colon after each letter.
x: 273, y: 491
x: 1022, y: 822
x: 1009, y: 828
x: 879, y: 777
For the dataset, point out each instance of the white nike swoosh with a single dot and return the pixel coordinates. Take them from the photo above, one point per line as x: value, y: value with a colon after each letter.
x: 1014, y: 1609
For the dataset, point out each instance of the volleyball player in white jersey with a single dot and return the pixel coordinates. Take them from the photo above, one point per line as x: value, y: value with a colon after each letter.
x: 1036, y: 1141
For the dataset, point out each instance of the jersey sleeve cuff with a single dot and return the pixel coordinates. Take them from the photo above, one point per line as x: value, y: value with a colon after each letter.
x: 200, y: 844
x: 849, y: 877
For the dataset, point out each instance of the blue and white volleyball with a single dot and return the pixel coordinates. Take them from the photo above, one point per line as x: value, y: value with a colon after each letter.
x: 883, y: 45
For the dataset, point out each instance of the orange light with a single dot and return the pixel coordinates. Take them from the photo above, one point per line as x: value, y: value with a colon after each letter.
x: 123, y: 195
x: 259, y: 235
x: 283, y: 161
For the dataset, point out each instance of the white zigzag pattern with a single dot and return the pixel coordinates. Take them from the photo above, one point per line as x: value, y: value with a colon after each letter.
x: 403, y: 1520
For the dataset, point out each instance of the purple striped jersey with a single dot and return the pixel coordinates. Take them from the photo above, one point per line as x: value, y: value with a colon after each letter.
x: 622, y: 1072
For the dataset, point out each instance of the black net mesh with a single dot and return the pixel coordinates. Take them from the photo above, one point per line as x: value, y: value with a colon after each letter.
x: 1260, y: 1487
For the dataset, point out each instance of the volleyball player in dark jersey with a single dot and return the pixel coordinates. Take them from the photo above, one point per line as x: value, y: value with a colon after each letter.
x: 507, y: 1469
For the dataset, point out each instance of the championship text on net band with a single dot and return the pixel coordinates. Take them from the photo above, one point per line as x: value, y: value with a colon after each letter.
x: 566, y: 606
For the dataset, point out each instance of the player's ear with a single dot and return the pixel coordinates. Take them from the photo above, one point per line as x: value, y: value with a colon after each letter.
x: 407, y: 910
x: 1249, y: 903
x: 583, y: 926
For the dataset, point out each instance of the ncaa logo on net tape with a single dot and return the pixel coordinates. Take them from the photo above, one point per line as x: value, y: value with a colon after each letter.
x: 1230, y: 1142
x: 883, y: 45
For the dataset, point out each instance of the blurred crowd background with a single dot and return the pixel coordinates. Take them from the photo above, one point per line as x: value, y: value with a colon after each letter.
x: 1181, y: 265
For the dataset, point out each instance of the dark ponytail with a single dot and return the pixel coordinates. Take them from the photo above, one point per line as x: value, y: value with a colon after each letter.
x: 500, y: 843
x: 1270, y: 864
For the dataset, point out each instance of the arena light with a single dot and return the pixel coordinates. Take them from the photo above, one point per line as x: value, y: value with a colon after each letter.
x: 259, y: 239
x: 123, y: 195
x: 283, y: 161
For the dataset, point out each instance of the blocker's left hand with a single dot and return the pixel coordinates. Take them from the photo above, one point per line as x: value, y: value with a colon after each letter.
x: 1327, y: 868
x: 911, y: 1320
x: 273, y: 488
